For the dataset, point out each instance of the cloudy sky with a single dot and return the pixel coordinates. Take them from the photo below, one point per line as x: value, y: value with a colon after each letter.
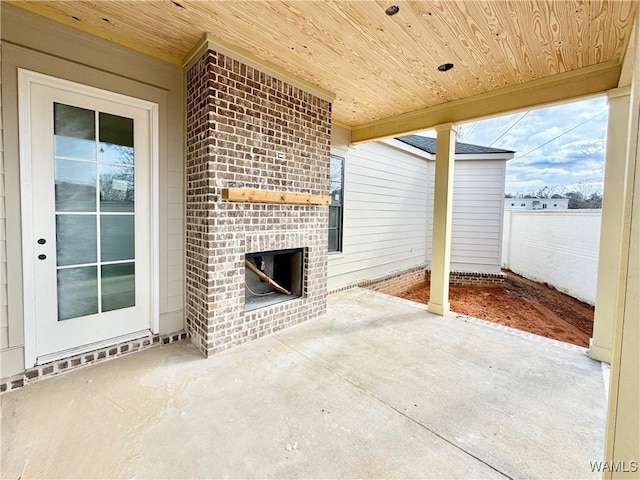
x: 561, y: 146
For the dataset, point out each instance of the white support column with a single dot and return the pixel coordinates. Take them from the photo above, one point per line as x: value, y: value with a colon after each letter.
x: 442, y: 213
x: 622, y: 438
x: 610, y: 230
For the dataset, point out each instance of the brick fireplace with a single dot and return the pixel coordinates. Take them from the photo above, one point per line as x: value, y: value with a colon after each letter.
x: 247, y: 129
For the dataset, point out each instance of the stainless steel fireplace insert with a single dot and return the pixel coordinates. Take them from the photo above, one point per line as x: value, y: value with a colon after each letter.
x: 273, y: 277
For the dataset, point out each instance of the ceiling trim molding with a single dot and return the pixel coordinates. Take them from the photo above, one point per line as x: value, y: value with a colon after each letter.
x: 211, y: 42
x: 97, y: 32
x: 619, y: 92
x: 627, y: 61
x: 336, y: 123
x: 564, y: 87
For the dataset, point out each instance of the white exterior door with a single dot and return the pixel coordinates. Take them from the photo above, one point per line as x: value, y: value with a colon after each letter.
x: 87, y: 215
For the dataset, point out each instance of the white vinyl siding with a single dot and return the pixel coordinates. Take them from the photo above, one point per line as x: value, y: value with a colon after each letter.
x: 388, y: 213
x: 385, y: 214
x: 4, y: 315
x: 175, y: 252
x: 478, y: 190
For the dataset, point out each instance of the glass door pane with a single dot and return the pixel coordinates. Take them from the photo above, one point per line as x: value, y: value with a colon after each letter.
x: 118, y: 286
x: 74, y: 131
x: 75, y: 186
x: 117, y: 219
x: 77, y: 292
x: 95, y: 214
x: 76, y: 239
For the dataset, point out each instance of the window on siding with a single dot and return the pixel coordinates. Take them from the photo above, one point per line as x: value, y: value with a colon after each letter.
x: 544, y: 205
x: 336, y: 182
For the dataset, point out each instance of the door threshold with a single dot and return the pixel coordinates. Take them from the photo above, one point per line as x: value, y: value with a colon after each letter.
x: 93, y: 357
x: 52, y: 357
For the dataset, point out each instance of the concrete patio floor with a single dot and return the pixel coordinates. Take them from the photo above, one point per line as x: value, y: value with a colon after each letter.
x: 375, y: 388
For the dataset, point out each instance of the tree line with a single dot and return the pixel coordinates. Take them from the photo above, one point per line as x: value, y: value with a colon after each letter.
x: 584, y: 196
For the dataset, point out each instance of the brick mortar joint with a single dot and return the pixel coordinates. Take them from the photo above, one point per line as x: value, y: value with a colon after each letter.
x: 404, y: 276
x: 241, y: 117
x: 93, y: 357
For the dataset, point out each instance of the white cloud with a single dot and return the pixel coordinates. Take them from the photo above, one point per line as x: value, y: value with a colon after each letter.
x: 576, y: 155
x: 523, y: 185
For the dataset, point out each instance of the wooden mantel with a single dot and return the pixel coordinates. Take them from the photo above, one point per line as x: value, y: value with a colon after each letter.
x: 270, y: 196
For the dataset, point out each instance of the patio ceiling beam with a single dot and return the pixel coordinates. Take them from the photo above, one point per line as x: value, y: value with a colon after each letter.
x: 558, y: 88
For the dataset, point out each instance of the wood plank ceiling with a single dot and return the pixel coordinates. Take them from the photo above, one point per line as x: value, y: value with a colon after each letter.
x: 377, y: 65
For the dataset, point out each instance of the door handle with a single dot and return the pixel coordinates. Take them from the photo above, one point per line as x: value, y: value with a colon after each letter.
x: 42, y: 256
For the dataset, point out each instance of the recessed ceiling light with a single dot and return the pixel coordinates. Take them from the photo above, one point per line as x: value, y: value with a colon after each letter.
x: 392, y: 10
x: 445, y: 67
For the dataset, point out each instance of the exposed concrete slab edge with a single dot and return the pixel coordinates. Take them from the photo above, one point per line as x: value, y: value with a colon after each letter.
x: 521, y: 333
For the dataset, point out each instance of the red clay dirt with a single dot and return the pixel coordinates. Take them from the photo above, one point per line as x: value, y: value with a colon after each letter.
x: 521, y: 303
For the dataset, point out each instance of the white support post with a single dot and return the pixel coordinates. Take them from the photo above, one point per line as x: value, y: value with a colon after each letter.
x: 622, y: 437
x: 610, y: 228
x: 442, y: 213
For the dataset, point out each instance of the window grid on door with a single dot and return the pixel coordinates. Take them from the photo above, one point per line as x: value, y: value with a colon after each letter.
x: 114, y: 260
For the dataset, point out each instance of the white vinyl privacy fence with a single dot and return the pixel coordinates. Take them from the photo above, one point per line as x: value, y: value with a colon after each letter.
x: 559, y: 248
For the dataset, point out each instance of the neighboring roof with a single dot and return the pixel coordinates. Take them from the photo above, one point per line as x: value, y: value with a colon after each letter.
x: 429, y: 145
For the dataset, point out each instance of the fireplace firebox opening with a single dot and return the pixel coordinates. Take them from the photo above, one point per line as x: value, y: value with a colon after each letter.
x: 272, y: 277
